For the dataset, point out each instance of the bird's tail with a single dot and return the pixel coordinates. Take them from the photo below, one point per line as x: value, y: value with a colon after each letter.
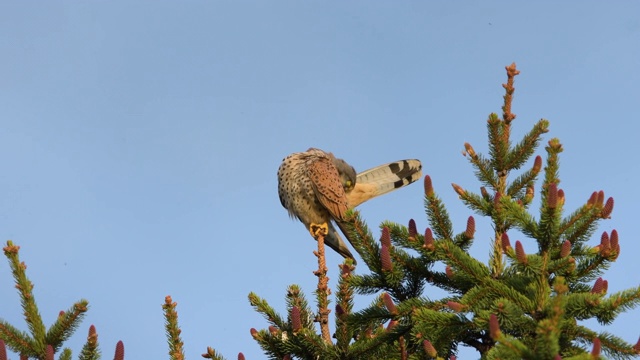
x: 383, y: 179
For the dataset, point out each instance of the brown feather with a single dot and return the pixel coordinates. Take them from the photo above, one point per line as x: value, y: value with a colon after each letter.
x: 361, y: 193
x: 326, y: 183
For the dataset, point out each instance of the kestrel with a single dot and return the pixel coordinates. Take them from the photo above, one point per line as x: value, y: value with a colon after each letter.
x: 317, y: 188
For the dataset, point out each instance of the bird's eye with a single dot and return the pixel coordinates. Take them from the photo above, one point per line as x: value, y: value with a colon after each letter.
x: 348, y: 184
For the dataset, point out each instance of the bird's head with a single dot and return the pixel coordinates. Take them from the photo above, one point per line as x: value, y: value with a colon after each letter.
x: 347, y: 174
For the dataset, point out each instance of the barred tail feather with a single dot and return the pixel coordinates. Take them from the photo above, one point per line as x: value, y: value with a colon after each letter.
x: 383, y: 179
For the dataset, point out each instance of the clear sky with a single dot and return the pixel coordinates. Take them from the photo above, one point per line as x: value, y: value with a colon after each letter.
x: 140, y: 140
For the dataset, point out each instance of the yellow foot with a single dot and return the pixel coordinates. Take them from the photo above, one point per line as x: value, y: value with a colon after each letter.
x: 318, y: 229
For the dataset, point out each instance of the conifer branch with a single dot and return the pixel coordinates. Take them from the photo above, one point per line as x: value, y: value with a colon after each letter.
x: 374, y: 315
x: 436, y: 212
x: 18, y: 341
x: 507, y: 115
x: 461, y: 260
x: 519, y: 186
x: 498, y: 149
x: 50, y: 341
x: 501, y: 224
x: 554, y: 148
x: 273, y: 343
x: 261, y: 306
x: 375, y: 345
x: 475, y: 202
x: 344, y: 306
x: 67, y: 322
x: 499, y: 289
x: 296, y: 298
x: 65, y: 355
x: 609, y: 308
x: 613, y: 346
x: 415, y: 271
x: 212, y: 354
x: 402, y: 237
x: 590, y: 266
x: 323, y: 291
x: 522, y: 151
x: 362, y: 238
x: 37, y: 343
x: 483, y: 169
x: 580, y: 225
x: 442, y: 328
x: 90, y: 350
x: 519, y: 217
x: 551, y: 212
x: 173, y: 331
x: 563, y: 266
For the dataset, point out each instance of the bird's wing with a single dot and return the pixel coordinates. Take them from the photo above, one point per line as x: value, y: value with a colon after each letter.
x: 383, y: 179
x: 327, y: 186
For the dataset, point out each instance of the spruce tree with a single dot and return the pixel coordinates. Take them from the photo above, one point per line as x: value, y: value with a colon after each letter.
x: 42, y: 343
x: 521, y: 304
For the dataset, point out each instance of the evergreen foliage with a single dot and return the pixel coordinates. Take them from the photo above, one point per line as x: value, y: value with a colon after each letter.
x: 524, y: 303
x: 41, y: 343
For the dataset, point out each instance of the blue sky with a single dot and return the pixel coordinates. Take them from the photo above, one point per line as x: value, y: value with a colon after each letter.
x: 140, y: 141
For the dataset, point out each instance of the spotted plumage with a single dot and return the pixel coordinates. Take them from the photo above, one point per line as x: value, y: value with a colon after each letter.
x: 316, y: 187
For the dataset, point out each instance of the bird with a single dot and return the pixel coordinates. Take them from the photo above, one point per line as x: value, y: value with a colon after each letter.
x: 317, y: 188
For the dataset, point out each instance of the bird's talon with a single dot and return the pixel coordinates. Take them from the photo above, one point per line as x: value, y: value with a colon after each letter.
x: 318, y: 229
